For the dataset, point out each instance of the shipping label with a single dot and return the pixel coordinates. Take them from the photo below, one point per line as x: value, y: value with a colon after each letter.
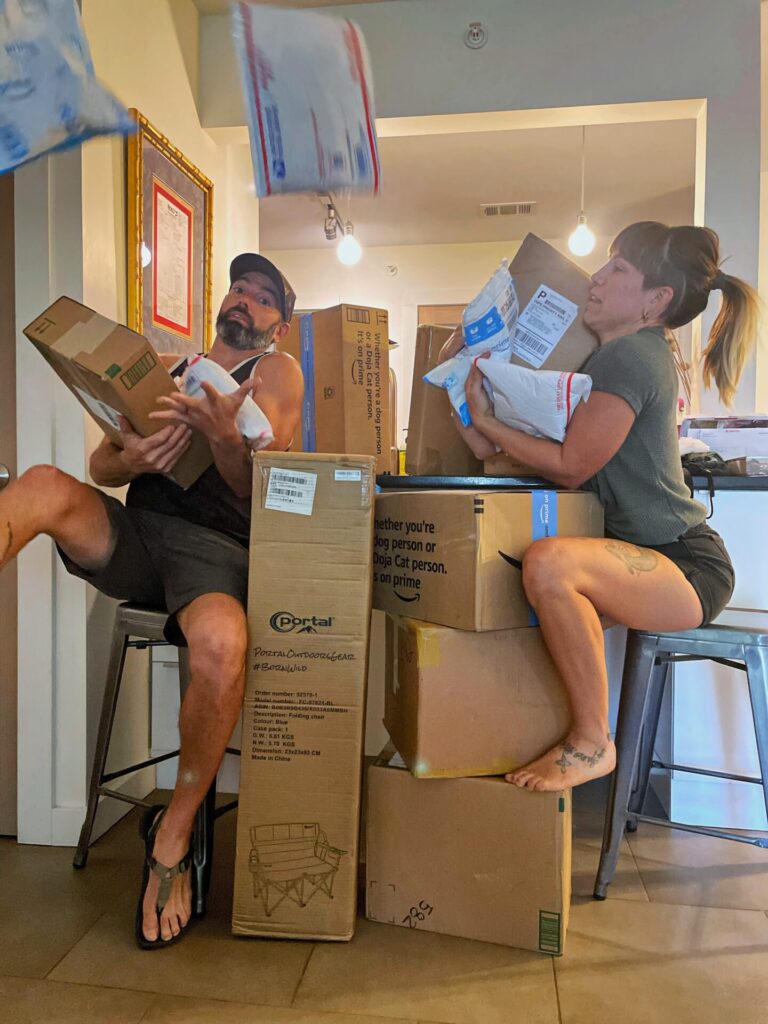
x: 103, y: 412
x: 290, y: 490
x: 542, y: 324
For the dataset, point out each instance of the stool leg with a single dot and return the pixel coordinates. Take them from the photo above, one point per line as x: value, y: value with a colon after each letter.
x: 106, y: 720
x: 659, y: 675
x: 756, y: 659
x: 202, y: 849
x: 202, y: 835
x: 638, y: 666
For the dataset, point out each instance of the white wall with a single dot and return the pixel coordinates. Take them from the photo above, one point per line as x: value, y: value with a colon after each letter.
x: 566, y: 54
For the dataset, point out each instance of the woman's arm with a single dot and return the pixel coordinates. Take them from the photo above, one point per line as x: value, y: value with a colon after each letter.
x: 597, y: 430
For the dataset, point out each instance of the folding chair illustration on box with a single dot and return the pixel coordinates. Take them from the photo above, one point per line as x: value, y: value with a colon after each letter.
x: 291, y: 862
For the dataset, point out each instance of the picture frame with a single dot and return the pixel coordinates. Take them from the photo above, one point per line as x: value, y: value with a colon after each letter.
x: 169, y: 205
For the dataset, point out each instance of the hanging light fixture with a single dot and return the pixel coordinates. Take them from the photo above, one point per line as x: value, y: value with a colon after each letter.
x: 582, y: 240
x: 349, y: 251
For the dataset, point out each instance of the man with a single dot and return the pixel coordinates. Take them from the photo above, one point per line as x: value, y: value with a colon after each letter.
x: 182, y: 550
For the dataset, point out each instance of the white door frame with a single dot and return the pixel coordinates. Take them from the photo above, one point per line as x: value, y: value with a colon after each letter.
x: 50, y: 429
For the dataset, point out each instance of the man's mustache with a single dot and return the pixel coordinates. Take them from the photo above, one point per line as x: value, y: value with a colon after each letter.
x: 244, y: 312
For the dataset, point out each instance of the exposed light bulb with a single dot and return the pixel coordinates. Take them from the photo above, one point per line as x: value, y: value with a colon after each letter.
x: 349, y: 251
x: 582, y: 240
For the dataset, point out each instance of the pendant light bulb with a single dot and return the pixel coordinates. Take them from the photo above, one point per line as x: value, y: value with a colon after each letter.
x: 582, y: 240
x: 349, y: 251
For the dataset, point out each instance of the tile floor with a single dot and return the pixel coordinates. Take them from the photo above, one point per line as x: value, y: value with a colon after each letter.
x: 683, y: 937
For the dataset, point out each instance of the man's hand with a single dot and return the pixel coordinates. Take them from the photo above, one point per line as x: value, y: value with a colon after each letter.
x: 213, y: 415
x: 158, y: 453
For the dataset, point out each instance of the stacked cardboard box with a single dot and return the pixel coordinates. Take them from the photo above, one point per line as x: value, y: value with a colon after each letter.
x: 471, y: 693
x: 344, y: 356
x: 309, y: 618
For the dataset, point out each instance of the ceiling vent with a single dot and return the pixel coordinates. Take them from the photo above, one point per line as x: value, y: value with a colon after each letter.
x: 507, y: 209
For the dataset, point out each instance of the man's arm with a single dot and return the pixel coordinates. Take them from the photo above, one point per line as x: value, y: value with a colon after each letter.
x: 278, y: 390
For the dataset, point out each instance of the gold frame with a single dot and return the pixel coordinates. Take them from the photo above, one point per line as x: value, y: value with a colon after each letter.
x: 135, y: 206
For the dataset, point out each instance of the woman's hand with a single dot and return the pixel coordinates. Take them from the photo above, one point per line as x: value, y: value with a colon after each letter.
x: 214, y: 415
x: 480, y: 405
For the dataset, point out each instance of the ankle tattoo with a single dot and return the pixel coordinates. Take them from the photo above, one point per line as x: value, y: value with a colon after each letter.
x: 569, y: 751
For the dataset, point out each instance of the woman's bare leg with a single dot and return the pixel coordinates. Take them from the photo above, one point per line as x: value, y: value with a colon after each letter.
x: 572, y: 583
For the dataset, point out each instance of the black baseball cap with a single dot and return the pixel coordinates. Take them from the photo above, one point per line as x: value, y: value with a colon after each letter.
x: 248, y: 262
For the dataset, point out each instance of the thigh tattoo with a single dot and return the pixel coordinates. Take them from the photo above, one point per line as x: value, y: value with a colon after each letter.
x: 636, y: 560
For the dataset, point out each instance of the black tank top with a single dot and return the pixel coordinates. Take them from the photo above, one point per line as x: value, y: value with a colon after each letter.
x: 210, y: 501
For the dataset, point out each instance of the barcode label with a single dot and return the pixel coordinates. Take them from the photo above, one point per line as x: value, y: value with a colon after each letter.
x: 549, y: 932
x: 353, y: 475
x: 289, y: 491
x: 358, y: 316
x: 542, y: 324
x: 525, y: 340
x: 138, y: 371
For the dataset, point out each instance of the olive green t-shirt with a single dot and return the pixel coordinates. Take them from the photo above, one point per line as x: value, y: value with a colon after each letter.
x: 642, y: 489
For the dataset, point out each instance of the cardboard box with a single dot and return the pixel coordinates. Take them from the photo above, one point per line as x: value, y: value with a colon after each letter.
x: 477, y: 858
x: 454, y: 557
x: 551, y: 290
x: 434, y: 446
x: 344, y: 356
x: 552, y: 293
x: 309, y: 621
x: 459, y: 704
x: 112, y: 371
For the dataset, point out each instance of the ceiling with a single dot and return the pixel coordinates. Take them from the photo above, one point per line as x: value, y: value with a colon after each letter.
x: 222, y: 6
x: 433, y: 185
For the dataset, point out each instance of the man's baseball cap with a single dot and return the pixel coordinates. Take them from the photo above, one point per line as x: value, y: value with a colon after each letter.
x: 253, y: 262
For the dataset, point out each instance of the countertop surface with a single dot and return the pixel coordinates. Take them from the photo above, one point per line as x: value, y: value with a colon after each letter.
x: 527, y: 483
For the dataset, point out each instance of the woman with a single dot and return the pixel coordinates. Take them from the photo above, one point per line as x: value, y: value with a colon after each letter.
x: 660, y: 567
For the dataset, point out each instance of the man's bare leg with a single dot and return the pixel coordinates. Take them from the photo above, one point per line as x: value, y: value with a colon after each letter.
x: 46, y: 500
x: 216, y: 631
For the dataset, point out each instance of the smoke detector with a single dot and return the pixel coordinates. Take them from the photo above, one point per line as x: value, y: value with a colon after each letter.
x: 508, y: 209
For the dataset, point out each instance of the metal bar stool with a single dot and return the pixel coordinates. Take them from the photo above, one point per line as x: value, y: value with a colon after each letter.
x: 139, y: 627
x: 649, y: 657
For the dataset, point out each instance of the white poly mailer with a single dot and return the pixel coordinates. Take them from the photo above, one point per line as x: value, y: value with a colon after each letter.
x: 309, y: 99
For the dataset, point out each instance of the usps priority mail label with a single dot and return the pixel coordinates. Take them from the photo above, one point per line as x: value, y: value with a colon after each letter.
x: 289, y: 490
x: 542, y: 324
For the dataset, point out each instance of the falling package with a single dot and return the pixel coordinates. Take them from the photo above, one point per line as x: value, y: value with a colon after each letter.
x: 309, y: 98
x: 250, y: 420
x: 49, y: 96
x: 488, y: 324
x: 538, y: 402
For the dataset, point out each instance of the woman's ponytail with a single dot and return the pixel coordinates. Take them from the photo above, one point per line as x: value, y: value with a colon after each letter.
x: 732, y: 337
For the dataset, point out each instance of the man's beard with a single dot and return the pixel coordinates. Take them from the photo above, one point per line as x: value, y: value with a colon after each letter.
x: 243, y: 338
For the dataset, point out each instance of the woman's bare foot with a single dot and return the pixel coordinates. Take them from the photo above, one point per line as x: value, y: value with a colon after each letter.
x: 576, y: 760
x: 168, y: 850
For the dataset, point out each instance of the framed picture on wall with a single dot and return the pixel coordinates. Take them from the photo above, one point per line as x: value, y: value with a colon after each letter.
x: 170, y: 231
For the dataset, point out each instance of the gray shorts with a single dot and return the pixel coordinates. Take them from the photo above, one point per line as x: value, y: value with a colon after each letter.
x: 165, y: 562
x: 701, y: 556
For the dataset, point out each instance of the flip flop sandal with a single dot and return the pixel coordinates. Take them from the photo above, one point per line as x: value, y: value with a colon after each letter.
x: 148, y: 827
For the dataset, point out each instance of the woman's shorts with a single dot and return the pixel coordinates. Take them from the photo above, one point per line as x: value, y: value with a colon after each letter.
x: 165, y: 562
x: 701, y: 557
